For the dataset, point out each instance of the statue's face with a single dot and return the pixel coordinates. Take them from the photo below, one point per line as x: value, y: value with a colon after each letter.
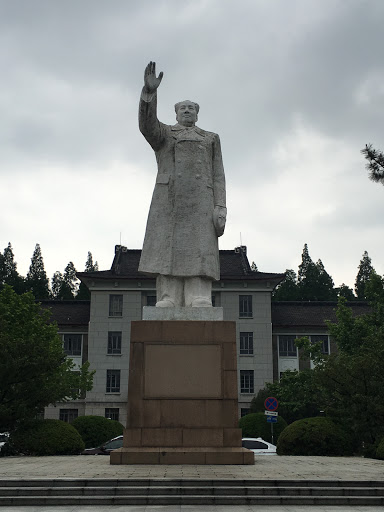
x: 186, y: 114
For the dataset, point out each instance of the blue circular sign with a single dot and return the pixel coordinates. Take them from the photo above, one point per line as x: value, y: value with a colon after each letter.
x: 271, y: 403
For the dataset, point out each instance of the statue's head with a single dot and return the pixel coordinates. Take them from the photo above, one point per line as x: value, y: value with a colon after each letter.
x: 186, y: 112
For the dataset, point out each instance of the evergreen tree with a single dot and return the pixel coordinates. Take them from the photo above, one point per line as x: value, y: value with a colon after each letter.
x: 83, y: 292
x: 287, y: 290
x: 56, y: 283
x: 8, y: 271
x: 375, y: 164
x: 363, y: 275
x: 314, y: 282
x: 37, y: 280
x: 69, y: 284
x: 346, y: 292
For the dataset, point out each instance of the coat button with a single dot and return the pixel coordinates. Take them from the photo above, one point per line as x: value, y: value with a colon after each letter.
x: 198, y: 161
x: 198, y: 176
x: 179, y: 161
x: 179, y: 174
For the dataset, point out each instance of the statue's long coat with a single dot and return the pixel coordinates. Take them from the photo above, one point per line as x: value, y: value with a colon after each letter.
x: 180, y: 238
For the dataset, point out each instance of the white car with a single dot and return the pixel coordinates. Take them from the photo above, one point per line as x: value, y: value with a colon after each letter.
x: 258, y: 446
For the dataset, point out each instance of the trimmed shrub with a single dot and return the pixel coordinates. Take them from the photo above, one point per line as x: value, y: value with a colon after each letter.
x: 96, y: 430
x: 47, y: 437
x: 314, y: 436
x: 380, y: 450
x: 255, y: 425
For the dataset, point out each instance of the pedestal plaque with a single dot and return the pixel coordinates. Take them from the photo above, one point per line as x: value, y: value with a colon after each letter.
x: 182, y: 395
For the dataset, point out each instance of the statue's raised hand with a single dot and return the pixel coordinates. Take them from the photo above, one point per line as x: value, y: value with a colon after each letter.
x: 151, y: 82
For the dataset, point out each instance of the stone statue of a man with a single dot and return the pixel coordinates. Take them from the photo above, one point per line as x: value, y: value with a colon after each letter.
x: 187, y: 213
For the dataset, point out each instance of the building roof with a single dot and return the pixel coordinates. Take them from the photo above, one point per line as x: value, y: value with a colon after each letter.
x: 234, y: 265
x: 310, y: 314
x: 68, y: 312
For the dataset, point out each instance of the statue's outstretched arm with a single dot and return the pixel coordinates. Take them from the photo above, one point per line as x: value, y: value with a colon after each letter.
x: 149, y: 125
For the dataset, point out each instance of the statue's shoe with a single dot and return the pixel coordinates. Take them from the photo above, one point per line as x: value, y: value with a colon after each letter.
x: 201, y: 302
x: 165, y: 304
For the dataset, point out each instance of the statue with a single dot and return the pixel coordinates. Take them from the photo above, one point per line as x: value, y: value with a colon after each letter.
x: 187, y: 213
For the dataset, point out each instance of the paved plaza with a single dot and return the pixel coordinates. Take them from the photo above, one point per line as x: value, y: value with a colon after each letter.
x: 266, y: 467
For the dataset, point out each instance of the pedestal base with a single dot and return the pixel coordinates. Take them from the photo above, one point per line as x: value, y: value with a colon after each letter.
x: 167, y: 455
x: 182, y: 395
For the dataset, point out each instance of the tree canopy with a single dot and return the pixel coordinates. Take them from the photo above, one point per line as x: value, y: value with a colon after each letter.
x: 37, y: 281
x: 347, y: 385
x: 375, y: 165
x: 34, y: 371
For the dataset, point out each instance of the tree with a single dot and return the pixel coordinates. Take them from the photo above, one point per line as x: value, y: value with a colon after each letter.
x: 287, y: 290
x: 8, y: 271
x: 313, y: 282
x: 363, y: 275
x: 346, y: 292
x: 56, y: 283
x: 64, y: 286
x: 34, y: 371
x: 37, y: 280
x: 83, y: 293
x: 375, y: 164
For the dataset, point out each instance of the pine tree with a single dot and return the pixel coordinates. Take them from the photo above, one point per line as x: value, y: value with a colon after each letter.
x: 375, y: 164
x: 346, y: 292
x: 83, y: 292
x: 37, y: 280
x: 363, y: 275
x: 287, y: 290
x: 56, y: 284
x: 8, y: 271
x: 314, y: 282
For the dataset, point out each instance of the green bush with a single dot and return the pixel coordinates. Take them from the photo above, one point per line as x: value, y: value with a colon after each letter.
x: 255, y: 425
x: 314, y: 436
x: 95, y: 430
x: 380, y: 450
x: 47, y: 437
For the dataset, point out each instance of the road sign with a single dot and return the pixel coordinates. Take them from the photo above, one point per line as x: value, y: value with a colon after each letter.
x: 271, y: 413
x: 271, y: 419
x: 271, y: 403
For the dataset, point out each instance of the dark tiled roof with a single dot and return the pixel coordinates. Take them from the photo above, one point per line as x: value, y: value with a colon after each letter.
x: 234, y: 264
x: 314, y: 314
x: 68, y: 312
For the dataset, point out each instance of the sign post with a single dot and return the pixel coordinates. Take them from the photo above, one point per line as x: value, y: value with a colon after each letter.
x: 271, y: 404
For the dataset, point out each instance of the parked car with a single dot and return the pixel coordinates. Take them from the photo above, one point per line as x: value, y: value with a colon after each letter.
x: 4, y: 437
x: 105, y: 448
x: 258, y: 446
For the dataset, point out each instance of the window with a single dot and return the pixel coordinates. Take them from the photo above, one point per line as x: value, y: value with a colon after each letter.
x: 324, y: 339
x: 287, y: 347
x: 68, y: 415
x: 213, y: 298
x: 114, y: 342
x: 254, y: 445
x: 245, y: 306
x: 72, y: 344
x: 246, y: 381
x: 112, y: 413
x: 244, y: 411
x: 246, y: 343
x: 113, y: 381
x: 115, y: 305
x: 151, y: 300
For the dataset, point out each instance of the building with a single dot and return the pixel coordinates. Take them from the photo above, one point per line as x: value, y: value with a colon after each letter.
x: 99, y: 330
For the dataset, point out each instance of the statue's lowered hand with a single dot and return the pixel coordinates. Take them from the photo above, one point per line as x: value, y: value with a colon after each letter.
x: 219, y: 219
x: 151, y: 83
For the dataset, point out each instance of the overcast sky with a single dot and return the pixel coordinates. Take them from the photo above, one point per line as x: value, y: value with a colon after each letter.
x: 295, y: 89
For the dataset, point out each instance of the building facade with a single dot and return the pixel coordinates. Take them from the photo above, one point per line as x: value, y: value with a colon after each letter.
x: 99, y: 331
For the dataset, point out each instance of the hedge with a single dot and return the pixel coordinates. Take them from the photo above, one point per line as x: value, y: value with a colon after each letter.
x: 314, y: 436
x: 96, y: 430
x: 47, y: 437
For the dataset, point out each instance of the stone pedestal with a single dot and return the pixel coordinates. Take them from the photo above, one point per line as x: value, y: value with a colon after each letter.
x: 182, y: 395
